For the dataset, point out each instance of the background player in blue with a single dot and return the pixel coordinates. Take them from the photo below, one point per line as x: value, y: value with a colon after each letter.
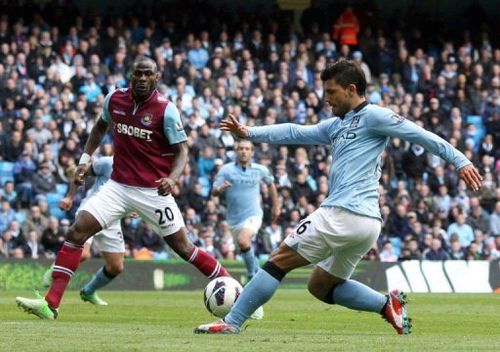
x: 240, y: 182
x: 340, y: 232
x: 110, y: 245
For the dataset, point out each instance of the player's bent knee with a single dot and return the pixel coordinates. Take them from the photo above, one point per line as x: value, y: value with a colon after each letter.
x: 317, y: 291
x: 273, y: 270
x: 114, y: 269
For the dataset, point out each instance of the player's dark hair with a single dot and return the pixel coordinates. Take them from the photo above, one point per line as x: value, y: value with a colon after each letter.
x: 346, y: 72
x: 144, y: 59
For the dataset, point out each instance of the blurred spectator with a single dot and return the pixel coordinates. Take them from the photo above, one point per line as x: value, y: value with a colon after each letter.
x: 54, y: 82
x: 33, y: 249
x: 436, y: 252
x: 147, y: 239
x: 53, y: 236
x: 7, y: 215
x: 462, y: 230
x: 387, y: 254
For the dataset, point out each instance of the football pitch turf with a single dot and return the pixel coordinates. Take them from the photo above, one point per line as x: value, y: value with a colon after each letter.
x: 294, y: 321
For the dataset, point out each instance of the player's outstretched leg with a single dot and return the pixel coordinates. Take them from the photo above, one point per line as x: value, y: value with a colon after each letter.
x: 47, y: 275
x: 103, y: 276
x: 204, y: 262
x: 66, y: 263
x: 355, y: 295
x: 256, y: 293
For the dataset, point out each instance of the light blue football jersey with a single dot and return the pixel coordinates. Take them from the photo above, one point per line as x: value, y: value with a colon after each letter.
x: 357, y: 142
x: 243, y: 197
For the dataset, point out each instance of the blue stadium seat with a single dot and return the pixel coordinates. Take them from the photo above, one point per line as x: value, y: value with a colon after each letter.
x: 6, y: 168
x: 62, y: 189
x: 396, y: 245
x: 58, y: 213
x: 205, y: 186
x: 481, y: 131
x: 21, y: 216
x: 53, y: 199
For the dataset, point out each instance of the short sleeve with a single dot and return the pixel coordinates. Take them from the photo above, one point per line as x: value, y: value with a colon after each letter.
x: 105, y: 115
x: 172, y: 125
x: 266, y: 175
x: 220, y: 177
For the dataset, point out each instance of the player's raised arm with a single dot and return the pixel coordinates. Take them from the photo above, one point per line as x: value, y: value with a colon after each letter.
x: 286, y: 133
x: 387, y: 123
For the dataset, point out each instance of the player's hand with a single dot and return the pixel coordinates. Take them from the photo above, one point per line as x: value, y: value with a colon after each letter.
x: 471, y: 177
x: 275, y: 214
x: 232, y: 125
x: 166, y: 186
x: 80, y: 173
x: 66, y: 203
x: 224, y: 186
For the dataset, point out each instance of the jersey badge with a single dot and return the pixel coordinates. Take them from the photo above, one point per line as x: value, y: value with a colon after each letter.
x: 398, y: 118
x: 147, y: 119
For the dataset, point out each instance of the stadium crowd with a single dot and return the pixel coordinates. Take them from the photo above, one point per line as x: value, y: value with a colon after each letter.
x: 57, y: 65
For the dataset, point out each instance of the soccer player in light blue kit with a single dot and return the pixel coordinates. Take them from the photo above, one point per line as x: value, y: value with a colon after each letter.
x: 240, y: 182
x: 109, y: 241
x: 340, y: 232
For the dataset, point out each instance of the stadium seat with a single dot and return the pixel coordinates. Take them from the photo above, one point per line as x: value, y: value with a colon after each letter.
x: 6, y: 168
x: 58, y: 213
x: 396, y: 245
x: 21, y: 216
x: 53, y: 199
x: 62, y: 189
x: 205, y: 186
x: 6, y: 172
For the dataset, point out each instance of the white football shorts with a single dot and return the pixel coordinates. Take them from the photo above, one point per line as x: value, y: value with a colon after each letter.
x: 335, y: 239
x: 109, y: 239
x: 253, y: 223
x: 114, y: 201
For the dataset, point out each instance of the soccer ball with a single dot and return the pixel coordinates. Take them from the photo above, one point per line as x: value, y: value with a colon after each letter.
x: 220, y: 295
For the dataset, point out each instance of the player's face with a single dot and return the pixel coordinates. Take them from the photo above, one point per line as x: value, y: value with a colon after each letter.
x: 338, y: 97
x: 144, y: 79
x: 245, y: 152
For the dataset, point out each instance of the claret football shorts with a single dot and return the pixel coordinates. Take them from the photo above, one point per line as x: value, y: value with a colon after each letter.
x: 335, y: 239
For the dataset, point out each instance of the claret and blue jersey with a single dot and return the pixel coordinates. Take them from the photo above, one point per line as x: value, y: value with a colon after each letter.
x: 357, y: 142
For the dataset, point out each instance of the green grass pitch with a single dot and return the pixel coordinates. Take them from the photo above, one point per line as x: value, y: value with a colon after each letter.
x: 294, y: 321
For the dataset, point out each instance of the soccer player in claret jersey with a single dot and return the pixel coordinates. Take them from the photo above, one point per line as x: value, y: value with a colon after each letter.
x: 240, y: 182
x: 340, y: 232
x: 150, y: 154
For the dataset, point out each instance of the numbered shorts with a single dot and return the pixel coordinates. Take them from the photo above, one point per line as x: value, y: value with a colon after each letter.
x: 335, y: 239
x: 114, y: 201
x: 252, y: 223
x: 109, y: 239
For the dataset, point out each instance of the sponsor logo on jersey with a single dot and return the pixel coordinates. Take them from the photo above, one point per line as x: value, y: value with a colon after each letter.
x: 119, y: 112
x: 355, y: 122
x: 134, y: 131
x: 147, y: 119
x: 398, y: 118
